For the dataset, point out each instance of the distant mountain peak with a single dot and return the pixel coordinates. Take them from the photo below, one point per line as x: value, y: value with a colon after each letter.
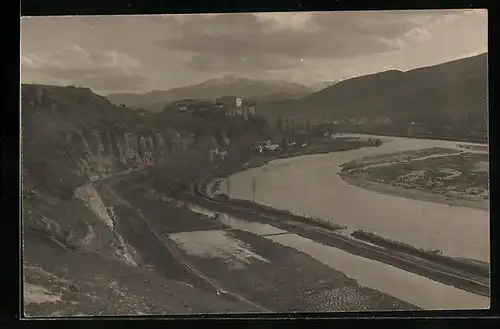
x: 229, y: 77
x: 223, y: 80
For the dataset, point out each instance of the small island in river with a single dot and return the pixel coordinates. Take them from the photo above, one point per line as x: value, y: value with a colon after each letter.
x: 442, y: 175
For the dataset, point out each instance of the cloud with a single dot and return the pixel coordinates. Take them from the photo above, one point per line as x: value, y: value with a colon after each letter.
x: 279, y: 40
x: 313, y: 35
x: 286, y: 21
x: 418, y: 34
x: 105, y: 70
x: 173, y: 50
x: 206, y: 62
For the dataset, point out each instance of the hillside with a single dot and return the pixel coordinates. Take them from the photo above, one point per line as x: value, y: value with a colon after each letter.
x: 322, y: 85
x: 84, y: 250
x: 454, y: 88
x: 257, y: 90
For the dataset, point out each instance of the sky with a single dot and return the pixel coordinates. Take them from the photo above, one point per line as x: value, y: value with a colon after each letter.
x: 113, y: 54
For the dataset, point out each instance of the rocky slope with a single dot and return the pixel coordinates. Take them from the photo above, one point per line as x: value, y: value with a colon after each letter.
x: 72, y: 139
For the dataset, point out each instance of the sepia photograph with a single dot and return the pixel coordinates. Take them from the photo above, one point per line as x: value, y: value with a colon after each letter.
x: 255, y: 163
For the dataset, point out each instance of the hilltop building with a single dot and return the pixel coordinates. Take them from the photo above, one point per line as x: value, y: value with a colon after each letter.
x: 192, y: 105
x: 229, y: 105
x: 249, y: 109
x: 235, y: 106
x: 229, y: 102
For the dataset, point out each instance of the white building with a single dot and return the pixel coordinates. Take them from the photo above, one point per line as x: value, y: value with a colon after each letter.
x: 268, y: 145
x: 217, y: 154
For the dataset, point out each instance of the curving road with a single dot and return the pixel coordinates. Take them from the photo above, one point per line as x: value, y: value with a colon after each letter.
x: 218, y: 289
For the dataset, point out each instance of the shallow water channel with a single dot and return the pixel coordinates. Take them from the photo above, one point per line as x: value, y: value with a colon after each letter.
x: 409, y: 287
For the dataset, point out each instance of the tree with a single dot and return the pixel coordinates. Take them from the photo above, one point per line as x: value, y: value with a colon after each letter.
x: 280, y: 123
x: 284, y: 142
x: 170, y: 108
x: 308, y: 125
x: 263, y: 127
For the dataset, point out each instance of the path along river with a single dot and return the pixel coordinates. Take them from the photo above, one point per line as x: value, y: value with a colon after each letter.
x: 310, y: 185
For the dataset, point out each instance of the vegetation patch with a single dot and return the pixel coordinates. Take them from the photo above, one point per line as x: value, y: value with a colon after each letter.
x: 431, y: 255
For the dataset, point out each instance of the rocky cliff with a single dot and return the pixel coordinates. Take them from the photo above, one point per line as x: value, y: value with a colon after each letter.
x: 73, y: 139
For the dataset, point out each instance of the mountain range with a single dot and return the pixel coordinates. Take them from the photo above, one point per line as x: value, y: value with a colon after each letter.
x: 255, y: 90
x: 456, y: 87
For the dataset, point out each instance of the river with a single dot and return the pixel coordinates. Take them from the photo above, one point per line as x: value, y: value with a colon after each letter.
x: 310, y: 185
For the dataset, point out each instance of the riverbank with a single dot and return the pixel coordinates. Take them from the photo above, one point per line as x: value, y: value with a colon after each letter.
x: 208, y: 187
x: 212, y: 184
x: 423, y: 266
x: 249, y: 214
x: 412, y: 194
x: 310, y: 185
x: 475, y: 140
x: 212, y: 180
x: 281, y: 218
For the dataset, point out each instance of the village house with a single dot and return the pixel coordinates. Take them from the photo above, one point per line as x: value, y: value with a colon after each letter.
x: 416, y: 128
x: 217, y: 154
x: 265, y: 146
